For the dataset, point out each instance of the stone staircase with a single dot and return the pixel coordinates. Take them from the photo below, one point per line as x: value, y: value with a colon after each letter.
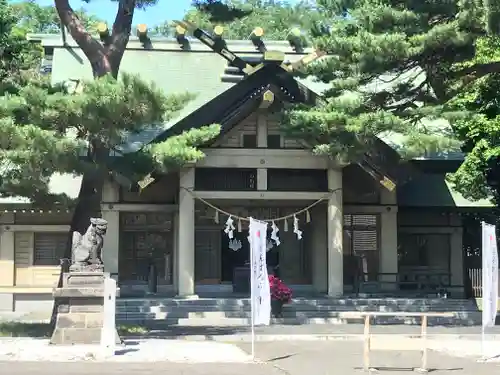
x: 163, y: 312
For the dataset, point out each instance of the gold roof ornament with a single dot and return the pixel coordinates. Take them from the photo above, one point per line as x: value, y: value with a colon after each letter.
x: 142, y: 33
x: 256, y: 38
x: 180, y: 36
x: 218, y: 31
x: 103, y: 31
x: 294, y: 37
x: 267, y: 99
x: 258, y: 32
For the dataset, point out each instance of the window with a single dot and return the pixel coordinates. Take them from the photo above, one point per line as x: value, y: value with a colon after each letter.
x: 249, y: 141
x: 225, y: 179
x: 297, y: 179
x: 274, y: 141
x: 49, y: 248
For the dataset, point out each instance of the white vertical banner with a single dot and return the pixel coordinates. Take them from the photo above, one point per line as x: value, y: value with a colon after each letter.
x: 259, y: 281
x: 490, y: 275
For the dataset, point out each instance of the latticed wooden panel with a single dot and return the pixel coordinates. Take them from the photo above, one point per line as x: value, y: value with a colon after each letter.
x: 146, y: 238
x: 361, y: 238
x: 49, y: 248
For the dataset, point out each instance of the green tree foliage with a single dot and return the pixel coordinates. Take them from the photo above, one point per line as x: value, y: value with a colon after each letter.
x: 277, y: 18
x: 480, y: 134
x: 17, y: 56
x: 45, y: 130
x: 396, y: 66
x: 32, y: 17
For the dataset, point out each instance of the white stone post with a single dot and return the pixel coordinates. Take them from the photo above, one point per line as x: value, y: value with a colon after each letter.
x: 185, y: 235
x: 335, y: 234
x: 108, y: 331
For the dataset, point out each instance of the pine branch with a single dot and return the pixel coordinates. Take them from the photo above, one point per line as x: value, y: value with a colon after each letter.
x: 122, y: 27
x: 90, y: 46
x: 476, y: 71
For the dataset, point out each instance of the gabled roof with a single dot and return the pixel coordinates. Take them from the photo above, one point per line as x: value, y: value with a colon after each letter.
x: 174, y: 70
x: 198, y: 71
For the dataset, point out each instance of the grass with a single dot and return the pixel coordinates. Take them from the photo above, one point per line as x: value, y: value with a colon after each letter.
x: 17, y: 329
x: 42, y: 330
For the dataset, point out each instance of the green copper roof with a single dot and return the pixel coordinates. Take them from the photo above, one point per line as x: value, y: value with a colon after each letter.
x: 197, y: 71
x: 432, y: 190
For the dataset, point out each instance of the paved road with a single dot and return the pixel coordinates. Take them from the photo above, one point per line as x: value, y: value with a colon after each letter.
x: 279, y: 358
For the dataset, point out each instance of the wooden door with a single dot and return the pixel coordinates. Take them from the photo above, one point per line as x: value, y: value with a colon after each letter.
x: 207, y: 256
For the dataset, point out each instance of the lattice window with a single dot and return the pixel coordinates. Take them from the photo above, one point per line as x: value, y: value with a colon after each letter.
x: 49, y: 248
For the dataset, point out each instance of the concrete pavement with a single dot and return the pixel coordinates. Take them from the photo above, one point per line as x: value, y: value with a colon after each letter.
x: 283, y: 358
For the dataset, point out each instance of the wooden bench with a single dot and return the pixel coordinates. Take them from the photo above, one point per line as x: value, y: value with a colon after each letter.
x: 412, y: 344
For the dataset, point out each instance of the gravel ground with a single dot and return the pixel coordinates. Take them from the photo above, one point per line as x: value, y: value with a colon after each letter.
x: 133, y: 351
x: 275, y: 358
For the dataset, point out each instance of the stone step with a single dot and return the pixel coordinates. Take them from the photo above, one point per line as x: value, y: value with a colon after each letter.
x: 295, y: 302
x: 209, y: 305
x: 243, y: 314
x: 293, y: 308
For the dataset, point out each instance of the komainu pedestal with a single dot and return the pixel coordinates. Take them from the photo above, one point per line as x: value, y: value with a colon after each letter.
x: 80, y: 309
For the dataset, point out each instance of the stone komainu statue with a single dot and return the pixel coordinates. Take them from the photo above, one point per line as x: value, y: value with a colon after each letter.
x: 87, y: 248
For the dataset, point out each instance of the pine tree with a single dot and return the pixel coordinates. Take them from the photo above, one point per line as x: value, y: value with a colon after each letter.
x: 479, y: 176
x: 395, y: 66
x: 275, y: 17
x: 105, y: 58
x: 46, y: 130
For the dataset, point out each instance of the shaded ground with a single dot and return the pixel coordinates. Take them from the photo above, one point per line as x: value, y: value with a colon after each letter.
x: 236, y: 333
x: 285, y: 358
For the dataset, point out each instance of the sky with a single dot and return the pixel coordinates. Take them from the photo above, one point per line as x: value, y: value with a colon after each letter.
x: 106, y: 9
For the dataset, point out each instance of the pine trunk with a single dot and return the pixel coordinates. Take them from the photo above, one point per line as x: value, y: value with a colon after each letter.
x: 88, y: 203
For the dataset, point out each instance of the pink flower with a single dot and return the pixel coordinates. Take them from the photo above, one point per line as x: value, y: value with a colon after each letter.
x: 279, y: 290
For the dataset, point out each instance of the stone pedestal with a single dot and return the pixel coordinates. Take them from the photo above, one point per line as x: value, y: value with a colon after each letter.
x: 80, y: 309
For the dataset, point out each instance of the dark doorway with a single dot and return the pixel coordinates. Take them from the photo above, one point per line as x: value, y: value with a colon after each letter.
x: 233, y: 258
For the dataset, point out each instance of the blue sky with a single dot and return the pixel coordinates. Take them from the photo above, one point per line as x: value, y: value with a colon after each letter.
x: 106, y: 9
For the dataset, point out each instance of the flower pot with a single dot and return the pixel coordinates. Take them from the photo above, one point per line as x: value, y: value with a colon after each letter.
x: 277, y: 308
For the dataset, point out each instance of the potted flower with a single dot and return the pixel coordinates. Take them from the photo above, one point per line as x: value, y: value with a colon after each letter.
x: 280, y: 294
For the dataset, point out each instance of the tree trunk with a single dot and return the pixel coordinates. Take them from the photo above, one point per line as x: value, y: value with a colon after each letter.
x: 88, y: 205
